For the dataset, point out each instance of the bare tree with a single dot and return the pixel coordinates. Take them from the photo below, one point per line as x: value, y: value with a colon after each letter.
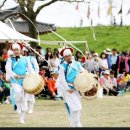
x: 27, y: 9
x: 2, y: 4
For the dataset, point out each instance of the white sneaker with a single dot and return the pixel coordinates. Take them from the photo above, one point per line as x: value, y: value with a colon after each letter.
x: 7, y: 101
x: 30, y: 111
x: 79, y: 125
x: 21, y: 118
x: 22, y: 122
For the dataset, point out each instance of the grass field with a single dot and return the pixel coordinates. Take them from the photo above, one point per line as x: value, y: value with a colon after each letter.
x: 107, y: 37
x: 107, y: 112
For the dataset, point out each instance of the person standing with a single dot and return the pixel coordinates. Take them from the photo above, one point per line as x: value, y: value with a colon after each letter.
x: 65, y: 83
x: 30, y: 98
x: 17, y: 67
x: 114, y: 60
x: 123, y: 63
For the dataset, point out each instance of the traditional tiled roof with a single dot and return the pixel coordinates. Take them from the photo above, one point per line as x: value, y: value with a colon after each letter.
x: 22, y: 26
x: 9, y: 13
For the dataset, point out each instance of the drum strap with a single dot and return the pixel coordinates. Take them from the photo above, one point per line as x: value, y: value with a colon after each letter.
x: 66, y: 69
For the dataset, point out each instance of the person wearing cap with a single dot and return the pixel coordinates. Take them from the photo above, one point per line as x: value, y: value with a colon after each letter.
x: 108, y: 56
x: 51, y: 85
x: 30, y: 98
x: 16, y: 67
x: 106, y: 83
x: 67, y: 72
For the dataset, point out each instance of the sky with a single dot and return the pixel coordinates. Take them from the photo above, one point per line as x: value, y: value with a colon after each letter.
x: 64, y: 14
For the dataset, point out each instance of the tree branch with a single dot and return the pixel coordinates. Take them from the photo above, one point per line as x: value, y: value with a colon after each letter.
x: 44, y: 5
x: 3, y: 4
x: 22, y: 6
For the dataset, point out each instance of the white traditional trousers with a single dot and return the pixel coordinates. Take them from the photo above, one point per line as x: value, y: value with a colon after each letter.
x: 73, y: 106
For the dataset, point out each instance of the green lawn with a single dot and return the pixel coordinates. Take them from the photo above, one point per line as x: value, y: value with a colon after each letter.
x: 107, y: 37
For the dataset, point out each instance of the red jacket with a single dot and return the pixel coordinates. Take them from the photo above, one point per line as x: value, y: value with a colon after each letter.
x: 51, y: 85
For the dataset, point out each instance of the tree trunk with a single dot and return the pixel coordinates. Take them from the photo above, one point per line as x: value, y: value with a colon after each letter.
x: 32, y: 30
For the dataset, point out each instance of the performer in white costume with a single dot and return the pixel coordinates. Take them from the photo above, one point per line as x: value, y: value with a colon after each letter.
x: 17, y: 67
x: 67, y: 73
x: 8, y: 76
x: 30, y: 98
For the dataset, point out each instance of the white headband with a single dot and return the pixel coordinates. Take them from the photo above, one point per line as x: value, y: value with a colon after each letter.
x: 67, y: 52
x: 16, y: 46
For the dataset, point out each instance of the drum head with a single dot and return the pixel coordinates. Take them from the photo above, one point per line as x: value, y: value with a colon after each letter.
x: 84, y: 81
x: 33, y: 83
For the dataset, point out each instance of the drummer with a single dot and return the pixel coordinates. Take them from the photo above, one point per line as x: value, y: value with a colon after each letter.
x: 16, y: 68
x: 30, y: 98
x: 67, y: 73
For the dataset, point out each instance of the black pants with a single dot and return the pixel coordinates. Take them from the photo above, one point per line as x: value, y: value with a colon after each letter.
x: 112, y: 92
x: 1, y: 96
x: 44, y: 92
x: 114, y: 68
x: 5, y: 93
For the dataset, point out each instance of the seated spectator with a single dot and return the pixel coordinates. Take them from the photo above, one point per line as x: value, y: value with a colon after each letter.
x: 113, y: 79
x: 4, y: 89
x: 120, y: 84
x: 107, y: 85
x: 126, y: 80
x: 51, y: 85
x: 43, y: 72
x: 97, y: 72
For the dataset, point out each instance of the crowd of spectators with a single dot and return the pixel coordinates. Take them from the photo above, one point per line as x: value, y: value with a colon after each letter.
x: 111, y: 66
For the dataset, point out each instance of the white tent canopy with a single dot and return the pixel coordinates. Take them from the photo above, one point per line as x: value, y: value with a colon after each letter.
x: 9, y: 34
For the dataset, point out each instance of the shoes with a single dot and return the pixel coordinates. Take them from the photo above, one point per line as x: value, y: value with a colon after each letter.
x: 21, y: 117
x: 57, y: 98
x: 30, y: 111
x: 121, y: 93
x: 7, y: 101
x: 15, y: 108
x: 22, y: 122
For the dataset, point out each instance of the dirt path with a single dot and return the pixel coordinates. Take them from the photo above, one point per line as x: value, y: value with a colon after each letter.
x: 107, y: 112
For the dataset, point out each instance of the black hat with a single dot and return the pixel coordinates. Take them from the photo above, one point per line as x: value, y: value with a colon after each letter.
x: 114, y: 49
x: 123, y: 53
